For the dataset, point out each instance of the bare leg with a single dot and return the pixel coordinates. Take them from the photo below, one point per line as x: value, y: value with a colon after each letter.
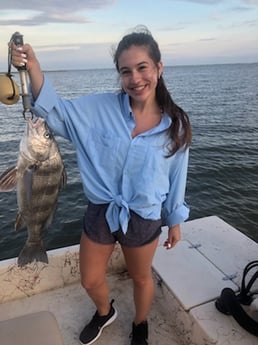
x: 94, y: 259
x: 139, y: 261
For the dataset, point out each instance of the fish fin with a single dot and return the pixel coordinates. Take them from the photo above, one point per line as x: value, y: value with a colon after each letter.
x: 19, y: 223
x: 28, y: 180
x: 63, y: 179
x: 50, y: 219
x: 8, y: 179
x: 32, y: 252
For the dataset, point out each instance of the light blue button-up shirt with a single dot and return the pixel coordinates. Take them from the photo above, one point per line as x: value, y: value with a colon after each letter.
x: 128, y: 173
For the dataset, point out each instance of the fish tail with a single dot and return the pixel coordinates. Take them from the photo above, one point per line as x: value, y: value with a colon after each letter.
x: 32, y: 252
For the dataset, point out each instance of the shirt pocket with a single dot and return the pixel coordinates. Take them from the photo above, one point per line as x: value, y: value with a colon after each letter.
x: 156, y: 169
x: 102, y: 149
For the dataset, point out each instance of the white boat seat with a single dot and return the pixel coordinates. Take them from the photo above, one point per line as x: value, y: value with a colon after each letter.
x: 39, y: 328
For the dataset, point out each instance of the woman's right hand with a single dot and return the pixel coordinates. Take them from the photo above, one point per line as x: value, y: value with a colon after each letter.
x: 24, y: 55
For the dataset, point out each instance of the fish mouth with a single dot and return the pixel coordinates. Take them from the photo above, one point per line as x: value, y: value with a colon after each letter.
x: 35, y: 122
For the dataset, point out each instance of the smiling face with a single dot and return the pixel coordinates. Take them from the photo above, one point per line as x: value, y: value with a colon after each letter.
x: 139, y: 75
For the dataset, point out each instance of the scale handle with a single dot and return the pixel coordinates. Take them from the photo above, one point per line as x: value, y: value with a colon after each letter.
x: 17, y: 38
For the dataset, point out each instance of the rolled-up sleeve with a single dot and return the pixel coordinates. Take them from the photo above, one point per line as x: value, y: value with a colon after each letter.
x: 46, y: 99
x: 175, y: 209
x: 48, y: 105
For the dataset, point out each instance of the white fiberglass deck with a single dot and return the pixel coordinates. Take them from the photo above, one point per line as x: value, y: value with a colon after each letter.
x: 72, y: 309
x: 188, y: 279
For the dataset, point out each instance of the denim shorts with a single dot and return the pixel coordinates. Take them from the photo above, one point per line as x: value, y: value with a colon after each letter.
x: 140, y: 231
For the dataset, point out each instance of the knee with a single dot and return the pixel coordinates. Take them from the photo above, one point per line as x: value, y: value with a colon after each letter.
x: 142, y: 280
x: 91, y: 284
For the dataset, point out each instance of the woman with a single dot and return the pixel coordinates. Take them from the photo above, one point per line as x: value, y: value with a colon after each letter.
x: 132, y: 151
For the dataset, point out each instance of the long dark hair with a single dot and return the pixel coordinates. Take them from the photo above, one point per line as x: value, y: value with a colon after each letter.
x: 180, y: 129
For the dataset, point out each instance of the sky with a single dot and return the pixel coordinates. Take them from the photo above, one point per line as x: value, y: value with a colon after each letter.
x: 80, y: 34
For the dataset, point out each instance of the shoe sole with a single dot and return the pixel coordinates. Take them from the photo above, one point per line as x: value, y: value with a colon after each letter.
x: 112, y: 319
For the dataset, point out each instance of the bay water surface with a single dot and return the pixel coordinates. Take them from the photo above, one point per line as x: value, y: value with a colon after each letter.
x: 222, y: 103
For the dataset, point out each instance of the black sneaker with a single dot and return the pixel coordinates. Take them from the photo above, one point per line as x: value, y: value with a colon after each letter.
x: 140, y: 334
x: 92, y: 330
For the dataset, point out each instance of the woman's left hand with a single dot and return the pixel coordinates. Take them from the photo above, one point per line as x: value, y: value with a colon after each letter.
x: 174, y: 236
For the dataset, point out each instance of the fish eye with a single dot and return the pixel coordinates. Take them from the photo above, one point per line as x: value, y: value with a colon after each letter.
x: 47, y: 135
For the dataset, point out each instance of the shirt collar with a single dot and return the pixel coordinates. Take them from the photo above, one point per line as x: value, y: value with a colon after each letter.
x: 163, y: 125
x: 127, y: 107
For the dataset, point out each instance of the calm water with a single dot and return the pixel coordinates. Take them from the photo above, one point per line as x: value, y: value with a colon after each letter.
x: 222, y: 102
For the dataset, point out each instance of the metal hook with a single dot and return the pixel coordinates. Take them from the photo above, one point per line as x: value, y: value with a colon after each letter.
x: 27, y: 117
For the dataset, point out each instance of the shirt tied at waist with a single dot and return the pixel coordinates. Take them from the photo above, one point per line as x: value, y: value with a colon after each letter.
x: 118, y: 214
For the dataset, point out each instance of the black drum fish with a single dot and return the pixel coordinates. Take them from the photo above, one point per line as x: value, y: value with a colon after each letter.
x: 38, y: 177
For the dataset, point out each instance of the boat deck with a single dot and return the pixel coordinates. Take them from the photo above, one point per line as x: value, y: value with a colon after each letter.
x: 73, y: 309
x: 188, y: 280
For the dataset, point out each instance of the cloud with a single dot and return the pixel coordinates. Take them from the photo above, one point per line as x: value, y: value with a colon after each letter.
x: 212, y: 2
x: 251, y: 2
x: 57, y: 6
x: 58, y: 47
x: 241, y: 9
x: 207, y: 39
x: 56, y: 11
x: 206, y: 2
x: 44, y: 18
x: 75, y: 56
